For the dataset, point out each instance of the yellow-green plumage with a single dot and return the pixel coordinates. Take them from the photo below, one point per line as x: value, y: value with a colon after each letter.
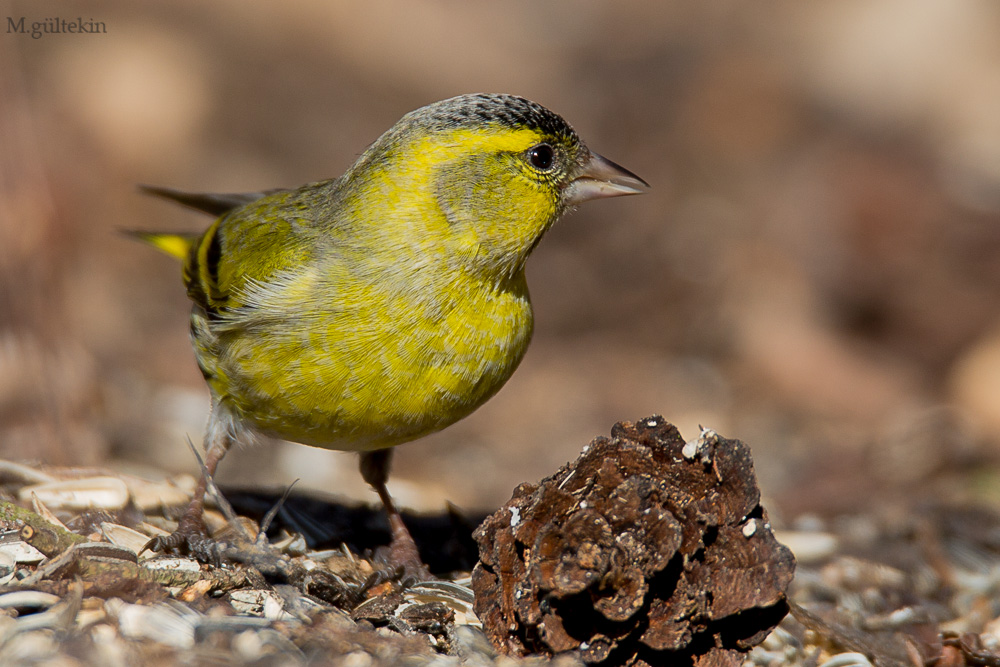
x: 367, y: 311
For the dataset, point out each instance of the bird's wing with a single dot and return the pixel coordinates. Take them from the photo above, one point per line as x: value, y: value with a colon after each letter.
x: 260, y: 239
x: 269, y: 241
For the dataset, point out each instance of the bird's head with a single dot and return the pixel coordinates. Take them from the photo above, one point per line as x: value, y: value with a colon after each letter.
x: 499, y: 169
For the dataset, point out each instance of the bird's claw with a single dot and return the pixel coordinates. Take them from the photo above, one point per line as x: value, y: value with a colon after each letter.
x: 191, y: 538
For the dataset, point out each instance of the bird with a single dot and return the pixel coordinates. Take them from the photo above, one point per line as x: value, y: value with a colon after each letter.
x: 366, y: 311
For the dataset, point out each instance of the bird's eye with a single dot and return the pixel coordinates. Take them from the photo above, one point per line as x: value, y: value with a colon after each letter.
x: 541, y: 156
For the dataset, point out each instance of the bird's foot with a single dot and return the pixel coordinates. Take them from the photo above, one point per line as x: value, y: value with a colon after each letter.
x: 191, y: 538
x: 403, y: 551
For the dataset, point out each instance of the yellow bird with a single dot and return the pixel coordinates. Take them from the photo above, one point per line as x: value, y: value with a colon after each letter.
x: 367, y: 311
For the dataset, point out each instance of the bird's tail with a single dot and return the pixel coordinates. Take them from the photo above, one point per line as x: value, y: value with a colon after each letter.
x: 177, y: 245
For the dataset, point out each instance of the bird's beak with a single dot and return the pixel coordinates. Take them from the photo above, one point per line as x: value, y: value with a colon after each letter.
x: 601, y: 178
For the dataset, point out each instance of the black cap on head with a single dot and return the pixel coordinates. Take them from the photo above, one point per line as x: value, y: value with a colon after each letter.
x: 507, y: 110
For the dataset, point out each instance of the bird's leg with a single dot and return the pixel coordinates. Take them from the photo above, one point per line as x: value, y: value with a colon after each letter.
x: 191, y: 529
x: 402, y: 550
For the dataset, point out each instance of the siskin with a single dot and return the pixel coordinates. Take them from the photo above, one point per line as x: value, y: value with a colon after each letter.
x: 367, y: 311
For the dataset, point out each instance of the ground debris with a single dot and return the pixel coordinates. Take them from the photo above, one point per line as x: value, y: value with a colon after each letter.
x: 647, y: 550
x: 644, y: 550
x: 893, y: 589
x: 76, y: 581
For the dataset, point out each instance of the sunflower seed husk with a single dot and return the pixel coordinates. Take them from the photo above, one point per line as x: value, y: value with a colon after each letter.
x: 109, y: 493
x: 125, y: 537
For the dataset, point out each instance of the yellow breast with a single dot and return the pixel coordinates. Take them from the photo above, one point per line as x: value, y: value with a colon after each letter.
x: 391, y: 366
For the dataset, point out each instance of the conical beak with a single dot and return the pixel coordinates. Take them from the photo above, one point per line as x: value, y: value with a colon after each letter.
x: 601, y: 178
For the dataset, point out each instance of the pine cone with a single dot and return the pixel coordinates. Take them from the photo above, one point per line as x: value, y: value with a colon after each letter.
x: 645, y: 550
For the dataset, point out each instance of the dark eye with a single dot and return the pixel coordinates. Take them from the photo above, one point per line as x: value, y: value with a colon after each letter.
x: 541, y: 156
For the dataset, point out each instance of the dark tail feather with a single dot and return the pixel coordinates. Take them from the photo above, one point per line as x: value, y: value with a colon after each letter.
x: 213, y: 204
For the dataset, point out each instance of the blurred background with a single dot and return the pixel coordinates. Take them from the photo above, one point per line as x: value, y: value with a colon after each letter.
x: 815, y: 270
